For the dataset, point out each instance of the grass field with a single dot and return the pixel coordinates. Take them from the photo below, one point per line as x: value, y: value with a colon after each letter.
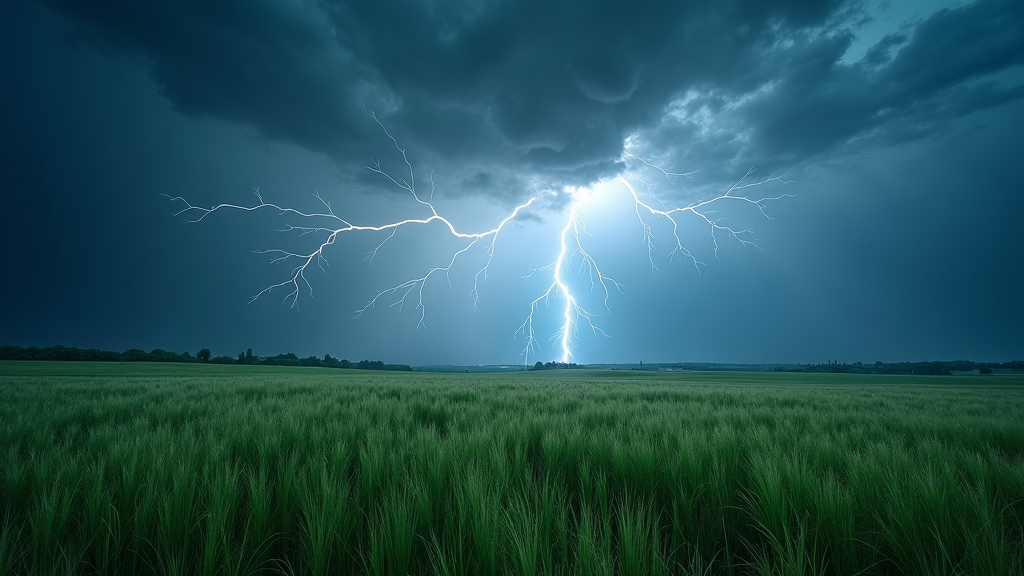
x: 195, y: 469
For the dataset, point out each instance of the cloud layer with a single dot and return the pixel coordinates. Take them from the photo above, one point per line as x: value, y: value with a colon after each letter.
x: 503, y: 97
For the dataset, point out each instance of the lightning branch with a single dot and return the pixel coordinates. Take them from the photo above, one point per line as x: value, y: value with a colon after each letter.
x: 572, y: 253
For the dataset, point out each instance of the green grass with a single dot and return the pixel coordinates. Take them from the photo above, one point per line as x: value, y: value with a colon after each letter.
x: 233, y: 470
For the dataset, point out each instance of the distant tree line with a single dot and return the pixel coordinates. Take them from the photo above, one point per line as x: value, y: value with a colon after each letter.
x: 65, y: 353
x: 905, y: 368
x: 556, y: 366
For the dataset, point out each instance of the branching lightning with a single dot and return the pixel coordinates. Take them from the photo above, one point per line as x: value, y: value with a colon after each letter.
x: 571, y: 250
x: 401, y: 291
x: 572, y: 313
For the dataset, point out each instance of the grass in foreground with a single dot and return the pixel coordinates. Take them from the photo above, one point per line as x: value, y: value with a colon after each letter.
x: 184, y: 469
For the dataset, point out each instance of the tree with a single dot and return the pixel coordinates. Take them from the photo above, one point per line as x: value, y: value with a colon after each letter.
x: 134, y: 355
x: 203, y: 355
x: 248, y: 356
x: 370, y: 365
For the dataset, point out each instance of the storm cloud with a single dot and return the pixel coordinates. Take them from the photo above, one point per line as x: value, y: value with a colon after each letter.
x: 504, y: 97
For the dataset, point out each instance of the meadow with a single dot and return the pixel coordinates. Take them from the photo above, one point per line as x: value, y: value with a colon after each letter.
x: 109, y: 468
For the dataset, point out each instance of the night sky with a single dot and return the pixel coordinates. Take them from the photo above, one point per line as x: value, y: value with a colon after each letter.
x: 899, y: 125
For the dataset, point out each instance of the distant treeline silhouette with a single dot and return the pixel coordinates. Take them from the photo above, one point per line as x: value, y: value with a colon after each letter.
x: 556, y: 366
x: 65, y: 353
x: 916, y: 368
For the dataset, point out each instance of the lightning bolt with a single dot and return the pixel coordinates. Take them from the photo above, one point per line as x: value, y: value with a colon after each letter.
x: 298, y: 280
x: 571, y: 246
x: 571, y: 254
x: 573, y: 313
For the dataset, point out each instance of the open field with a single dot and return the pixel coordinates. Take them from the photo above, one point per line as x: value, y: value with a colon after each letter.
x: 198, y: 469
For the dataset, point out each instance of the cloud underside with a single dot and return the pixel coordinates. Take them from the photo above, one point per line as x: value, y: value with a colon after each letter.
x: 503, y: 97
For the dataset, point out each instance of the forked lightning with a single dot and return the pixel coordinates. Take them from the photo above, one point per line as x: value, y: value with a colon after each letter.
x: 571, y: 247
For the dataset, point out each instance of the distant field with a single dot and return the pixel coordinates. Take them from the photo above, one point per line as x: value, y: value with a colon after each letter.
x: 198, y: 469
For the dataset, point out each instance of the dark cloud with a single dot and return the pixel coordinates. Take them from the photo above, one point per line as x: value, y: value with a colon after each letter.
x: 882, y: 52
x: 906, y: 87
x: 502, y: 97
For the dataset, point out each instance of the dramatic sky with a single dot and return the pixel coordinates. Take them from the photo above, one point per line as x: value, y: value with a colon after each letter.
x: 899, y: 127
